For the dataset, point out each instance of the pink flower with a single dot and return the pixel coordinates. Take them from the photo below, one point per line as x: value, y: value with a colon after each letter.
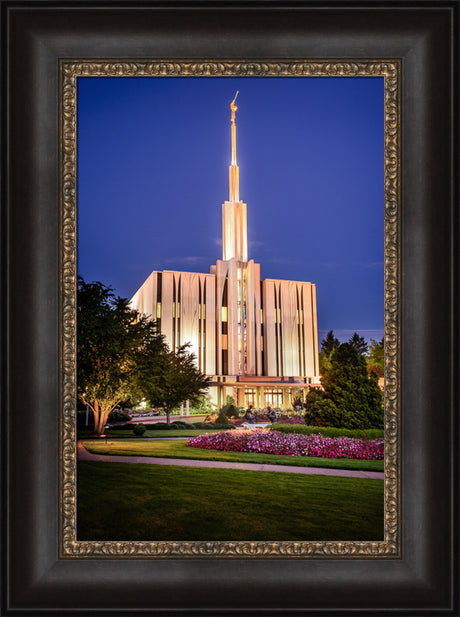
x: 291, y: 444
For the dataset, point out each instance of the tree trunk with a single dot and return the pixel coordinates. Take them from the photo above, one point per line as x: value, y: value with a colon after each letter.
x: 100, y: 418
x: 97, y: 417
x: 99, y: 426
x: 101, y: 411
x: 168, y: 417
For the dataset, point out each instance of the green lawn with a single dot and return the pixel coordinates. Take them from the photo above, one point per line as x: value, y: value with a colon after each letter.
x: 120, y: 501
x: 171, y: 448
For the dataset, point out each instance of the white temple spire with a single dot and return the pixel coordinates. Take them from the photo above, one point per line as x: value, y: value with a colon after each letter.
x: 234, y: 182
x: 234, y: 224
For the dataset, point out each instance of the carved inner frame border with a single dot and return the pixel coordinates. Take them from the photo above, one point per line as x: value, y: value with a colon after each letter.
x: 69, y: 71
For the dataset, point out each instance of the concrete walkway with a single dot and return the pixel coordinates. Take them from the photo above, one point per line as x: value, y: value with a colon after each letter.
x: 84, y: 455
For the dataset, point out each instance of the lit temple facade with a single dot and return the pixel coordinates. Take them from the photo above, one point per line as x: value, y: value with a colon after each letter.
x: 257, y: 340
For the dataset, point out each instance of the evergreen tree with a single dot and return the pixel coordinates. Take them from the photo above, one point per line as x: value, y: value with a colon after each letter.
x: 324, y: 361
x: 359, y: 343
x: 349, y: 399
x: 329, y: 343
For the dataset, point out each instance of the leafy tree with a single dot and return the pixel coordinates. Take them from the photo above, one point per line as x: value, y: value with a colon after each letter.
x: 359, y: 343
x: 325, y: 361
x: 171, y: 378
x: 122, y: 356
x: 329, y: 343
x: 112, y: 339
x: 328, y: 346
x: 349, y: 399
x: 375, y: 357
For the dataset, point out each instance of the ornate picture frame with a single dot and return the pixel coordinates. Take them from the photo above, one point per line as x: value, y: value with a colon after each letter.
x: 70, y: 72
x: 47, y: 568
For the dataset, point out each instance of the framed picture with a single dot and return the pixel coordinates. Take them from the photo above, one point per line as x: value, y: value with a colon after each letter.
x: 49, y: 568
x: 251, y: 318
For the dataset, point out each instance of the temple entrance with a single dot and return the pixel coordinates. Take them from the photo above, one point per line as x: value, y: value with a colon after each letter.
x: 250, y: 397
x: 273, y: 397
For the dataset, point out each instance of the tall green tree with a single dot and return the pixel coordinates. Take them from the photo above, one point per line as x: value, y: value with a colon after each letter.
x: 112, y: 340
x: 358, y: 343
x: 171, y: 379
x: 329, y: 343
x: 349, y: 397
x: 121, y: 356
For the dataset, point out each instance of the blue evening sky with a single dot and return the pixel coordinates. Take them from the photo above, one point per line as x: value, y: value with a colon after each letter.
x: 153, y: 156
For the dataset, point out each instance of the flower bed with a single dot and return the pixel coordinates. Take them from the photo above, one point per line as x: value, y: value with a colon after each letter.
x: 294, y: 444
x: 290, y: 420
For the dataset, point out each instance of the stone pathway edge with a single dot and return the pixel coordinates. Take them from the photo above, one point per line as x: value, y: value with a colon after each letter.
x: 84, y: 455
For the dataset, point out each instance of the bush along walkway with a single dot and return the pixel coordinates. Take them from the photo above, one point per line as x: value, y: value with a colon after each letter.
x: 84, y: 455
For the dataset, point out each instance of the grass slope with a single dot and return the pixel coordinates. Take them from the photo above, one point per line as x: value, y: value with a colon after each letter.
x: 119, y: 501
x: 177, y: 449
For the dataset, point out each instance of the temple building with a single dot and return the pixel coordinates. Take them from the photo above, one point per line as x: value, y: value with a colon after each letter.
x: 257, y: 340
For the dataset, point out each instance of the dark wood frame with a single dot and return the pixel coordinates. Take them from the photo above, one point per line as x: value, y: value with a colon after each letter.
x: 424, y: 36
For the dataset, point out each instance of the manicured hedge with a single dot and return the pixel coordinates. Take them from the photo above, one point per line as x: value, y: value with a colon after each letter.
x: 158, y: 426
x: 328, y: 431
x: 179, y: 425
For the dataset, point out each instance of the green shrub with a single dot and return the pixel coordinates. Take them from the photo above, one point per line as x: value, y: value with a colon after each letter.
x: 174, y: 426
x: 222, y: 418
x: 120, y: 427
x: 118, y: 416
x: 139, y: 429
x: 224, y: 426
x: 201, y: 425
x: 157, y: 426
x: 229, y: 411
x: 209, y: 426
x: 328, y: 431
x: 180, y: 424
x: 328, y: 413
x: 349, y: 398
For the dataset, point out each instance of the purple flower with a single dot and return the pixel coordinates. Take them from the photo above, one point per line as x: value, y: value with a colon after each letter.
x: 291, y: 444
